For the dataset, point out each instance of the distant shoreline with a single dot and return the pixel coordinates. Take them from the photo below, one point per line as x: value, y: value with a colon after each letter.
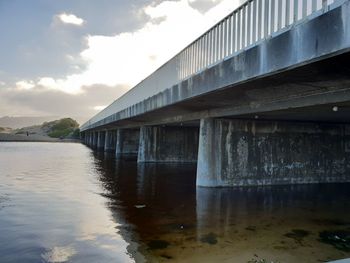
x: 6, y: 137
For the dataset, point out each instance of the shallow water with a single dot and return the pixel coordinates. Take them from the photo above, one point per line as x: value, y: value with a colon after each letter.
x: 65, y: 203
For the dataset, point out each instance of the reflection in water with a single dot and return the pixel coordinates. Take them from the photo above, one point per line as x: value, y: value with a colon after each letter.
x: 175, y: 221
x: 65, y: 203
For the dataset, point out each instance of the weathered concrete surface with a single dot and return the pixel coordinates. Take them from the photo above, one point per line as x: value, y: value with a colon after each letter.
x: 240, y: 152
x: 94, y: 139
x: 168, y: 144
x: 127, y: 142
x: 101, y: 140
x: 307, y: 43
x: 110, y: 141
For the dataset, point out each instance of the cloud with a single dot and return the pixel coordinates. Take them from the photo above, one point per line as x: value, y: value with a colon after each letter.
x: 127, y: 58
x: 70, y: 19
x: 39, y: 101
x: 25, y: 85
x: 110, y: 65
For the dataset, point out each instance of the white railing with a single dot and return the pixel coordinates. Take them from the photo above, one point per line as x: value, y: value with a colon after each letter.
x: 249, y: 24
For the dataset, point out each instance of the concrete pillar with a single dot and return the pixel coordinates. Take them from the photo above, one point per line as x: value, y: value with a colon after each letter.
x: 100, y: 140
x: 168, y: 144
x: 240, y: 152
x: 127, y: 142
x: 94, y: 139
x: 110, y: 141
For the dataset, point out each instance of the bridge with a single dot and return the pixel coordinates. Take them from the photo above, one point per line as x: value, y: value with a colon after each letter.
x: 262, y: 97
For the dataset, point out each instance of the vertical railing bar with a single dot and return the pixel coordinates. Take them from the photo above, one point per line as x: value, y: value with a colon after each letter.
x: 244, y: 30
x: 204, y: 51
x: 216, y: 44
x: 314, y: 5
x: 324, y: 5
x: 212, y: 46
x: 272, y: 17
x: 249, y: 31
x: 222, y: 39
x: 239, y: 24
x: 254, y: 4
x: 181, y: 65
x: 279, y: 15
x: 194, y: 56
x: 192, y: 59
x: 233, y: 32
x: 266, y: 18
x: 198, y: 54
x: 227, y: 20
x: 304, y: 8
x: 229, y: 40
x: 296, y: 11
x: 287, y: 13
x: 260, y: 20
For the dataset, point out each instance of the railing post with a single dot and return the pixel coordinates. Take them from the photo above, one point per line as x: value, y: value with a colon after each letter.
x: 324, y: 5
x: 260, y: 20
x: 254, y: 4
x: 266, y: 19
x: 304, y: 13
x: 287, y: 13
x: 314, y: 5
x: 249, y: 31
x: 239, y: 25
x: 296, y: 11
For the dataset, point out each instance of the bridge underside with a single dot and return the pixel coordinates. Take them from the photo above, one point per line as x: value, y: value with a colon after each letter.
x: 277, y: 113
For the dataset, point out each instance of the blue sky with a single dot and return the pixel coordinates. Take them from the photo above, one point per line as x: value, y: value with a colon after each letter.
x: 73, y: 57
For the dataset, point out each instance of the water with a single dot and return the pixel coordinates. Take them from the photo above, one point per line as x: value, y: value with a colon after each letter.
x: 65, y: 203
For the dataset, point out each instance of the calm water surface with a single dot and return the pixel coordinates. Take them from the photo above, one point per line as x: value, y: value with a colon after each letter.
x: 65, y: 203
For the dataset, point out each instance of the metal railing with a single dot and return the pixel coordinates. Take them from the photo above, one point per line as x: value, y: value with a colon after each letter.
x: 252, y: 22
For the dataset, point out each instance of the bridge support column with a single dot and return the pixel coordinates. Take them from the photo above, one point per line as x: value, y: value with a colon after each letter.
x: 94, y: 139
x: 100, y: 140
x: 110, y: 141
x: 127, y: 142
x: 168, y: 144
x: 240, y: 152
x: 89, y: 139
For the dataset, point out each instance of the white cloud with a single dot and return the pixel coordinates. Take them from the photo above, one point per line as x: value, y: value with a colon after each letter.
x: 25, y: 85
x: 127, y: 58
x: 70, y: 19
x: 99, y: 108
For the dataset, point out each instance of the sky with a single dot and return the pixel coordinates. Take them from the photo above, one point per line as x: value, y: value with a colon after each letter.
x: 72, y: 58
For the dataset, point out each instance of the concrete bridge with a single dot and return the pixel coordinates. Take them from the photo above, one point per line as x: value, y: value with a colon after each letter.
x: 263, y: 97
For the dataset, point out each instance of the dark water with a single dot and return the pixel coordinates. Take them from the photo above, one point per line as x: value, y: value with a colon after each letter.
x: 65, y: 203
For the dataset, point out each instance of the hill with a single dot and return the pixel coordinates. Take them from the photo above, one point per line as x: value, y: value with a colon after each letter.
x: 57, y: 130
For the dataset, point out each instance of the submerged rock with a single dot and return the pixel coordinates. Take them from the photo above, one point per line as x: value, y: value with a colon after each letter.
x: 210, y: 238
x: 158, y: 244
x: 340, y: 239
x: 297, y: 234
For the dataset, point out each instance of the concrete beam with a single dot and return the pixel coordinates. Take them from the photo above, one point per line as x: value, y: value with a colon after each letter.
x: 240, y: 152
x: 168, y: 144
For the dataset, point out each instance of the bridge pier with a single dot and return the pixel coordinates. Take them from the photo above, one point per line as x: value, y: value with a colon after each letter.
x: 100, y: 140
x: 110, y: 141
x: 241, y: 152
x: 94, y: 139
x: 168, y: 144
x: 127, y: 142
